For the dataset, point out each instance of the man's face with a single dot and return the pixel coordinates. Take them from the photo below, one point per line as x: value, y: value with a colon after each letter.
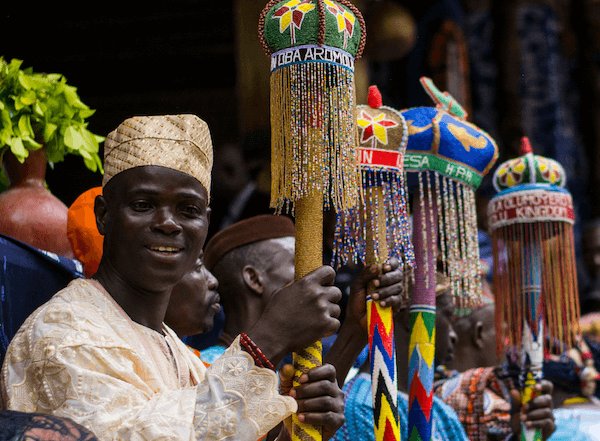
x: 154, y: 221
x: 445, y: 337
x: 194, y: 302
x: 280, y: 269
x: 476, y: 340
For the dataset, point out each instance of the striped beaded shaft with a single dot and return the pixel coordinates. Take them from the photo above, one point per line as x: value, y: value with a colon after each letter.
x: 373, y: 232
x: 382, y: 347
x: 448, y: 157
x: 384, y: 382
x: 421, y: 349
x: 533, y: 331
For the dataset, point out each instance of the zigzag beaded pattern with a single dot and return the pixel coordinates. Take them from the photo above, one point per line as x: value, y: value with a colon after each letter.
x: 382, y: 354
x: 421, y: 354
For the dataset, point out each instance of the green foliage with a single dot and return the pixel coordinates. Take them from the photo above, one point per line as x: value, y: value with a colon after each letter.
x: 39, y: 109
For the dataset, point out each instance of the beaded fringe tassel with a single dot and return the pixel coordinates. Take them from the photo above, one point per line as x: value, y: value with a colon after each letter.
x: 313, y: 105
x: 555, y: 255
x: 384, y: 196
x: 458, y: 253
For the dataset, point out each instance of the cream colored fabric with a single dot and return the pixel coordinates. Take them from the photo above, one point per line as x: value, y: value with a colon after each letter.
x: 80, y: 356
x: 180, y: 142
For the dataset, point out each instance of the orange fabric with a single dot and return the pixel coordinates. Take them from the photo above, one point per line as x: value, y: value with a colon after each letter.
x: 86, y: 241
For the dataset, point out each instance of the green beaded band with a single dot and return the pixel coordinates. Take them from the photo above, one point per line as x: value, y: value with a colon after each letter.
x: 418, y: 162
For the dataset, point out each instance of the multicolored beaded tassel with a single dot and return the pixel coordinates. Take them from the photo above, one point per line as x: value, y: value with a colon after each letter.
x: 371, y: 233
x: 312, y: 45
x: 383, y: 210
x: 449, y: 157
x: 535, y: 279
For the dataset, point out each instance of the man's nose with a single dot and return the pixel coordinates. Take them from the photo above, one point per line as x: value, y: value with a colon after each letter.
x: 213, y: 283
x: 166, y: 222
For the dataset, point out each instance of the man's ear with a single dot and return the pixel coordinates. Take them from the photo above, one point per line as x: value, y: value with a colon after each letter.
x: 208, y: 213
x: 253, y: 279
x: 478, y: 334
x: 100, y: 211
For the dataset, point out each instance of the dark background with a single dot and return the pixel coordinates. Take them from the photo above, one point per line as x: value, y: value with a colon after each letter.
x: 180, y: 56
x: 129, y: 58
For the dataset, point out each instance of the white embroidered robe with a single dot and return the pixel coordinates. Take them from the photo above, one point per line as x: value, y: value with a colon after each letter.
x: 80, y: 356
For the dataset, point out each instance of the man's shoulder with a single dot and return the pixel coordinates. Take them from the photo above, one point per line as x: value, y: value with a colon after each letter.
x: 75, y: 314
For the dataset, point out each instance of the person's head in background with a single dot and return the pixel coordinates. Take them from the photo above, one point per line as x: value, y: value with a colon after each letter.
x: 476, y: 332
x: 194, y: 302
x: 251, y: 259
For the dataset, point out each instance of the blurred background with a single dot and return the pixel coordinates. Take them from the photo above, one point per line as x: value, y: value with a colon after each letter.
x: 519, y: 68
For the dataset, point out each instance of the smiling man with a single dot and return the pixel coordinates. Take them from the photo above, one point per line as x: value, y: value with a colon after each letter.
x: 99, y: 352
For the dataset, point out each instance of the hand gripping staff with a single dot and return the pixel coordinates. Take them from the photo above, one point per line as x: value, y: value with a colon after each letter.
x: 312, y: 45
x: 535, y: 279
x: 449, y: 157
x: 375, y: 230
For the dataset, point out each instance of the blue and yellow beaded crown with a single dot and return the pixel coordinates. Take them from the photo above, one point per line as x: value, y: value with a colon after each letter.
x: 449, y: 157
x: 441, y: 139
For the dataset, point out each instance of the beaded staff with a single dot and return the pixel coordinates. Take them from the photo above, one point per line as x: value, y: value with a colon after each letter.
x: 449, y: 156
x: 312, y: 45
x: 375, y: 230
x: 535, y: 279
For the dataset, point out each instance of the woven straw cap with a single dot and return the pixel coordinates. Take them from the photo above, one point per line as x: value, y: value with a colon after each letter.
x: 179, y: 142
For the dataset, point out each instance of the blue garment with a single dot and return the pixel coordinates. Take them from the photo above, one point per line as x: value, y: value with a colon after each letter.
x: 29, y: 277
x: 576, y: 424
x: 209, y: 355
x: 359, y: 415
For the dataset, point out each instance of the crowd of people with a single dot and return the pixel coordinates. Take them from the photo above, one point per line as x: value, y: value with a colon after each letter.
x: 116, y: 354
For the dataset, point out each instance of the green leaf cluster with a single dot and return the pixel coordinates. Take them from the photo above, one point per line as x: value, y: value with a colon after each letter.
x: 41, y: 109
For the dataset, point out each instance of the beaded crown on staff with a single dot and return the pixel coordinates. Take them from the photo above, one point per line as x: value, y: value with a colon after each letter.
x: 378, y: 228
x: 313, y: 45
x: 531, y: 219
x: 450, y: 156
x: 383, y: 213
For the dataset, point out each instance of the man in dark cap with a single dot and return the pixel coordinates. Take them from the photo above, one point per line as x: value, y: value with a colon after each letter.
x: 254, y: 258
